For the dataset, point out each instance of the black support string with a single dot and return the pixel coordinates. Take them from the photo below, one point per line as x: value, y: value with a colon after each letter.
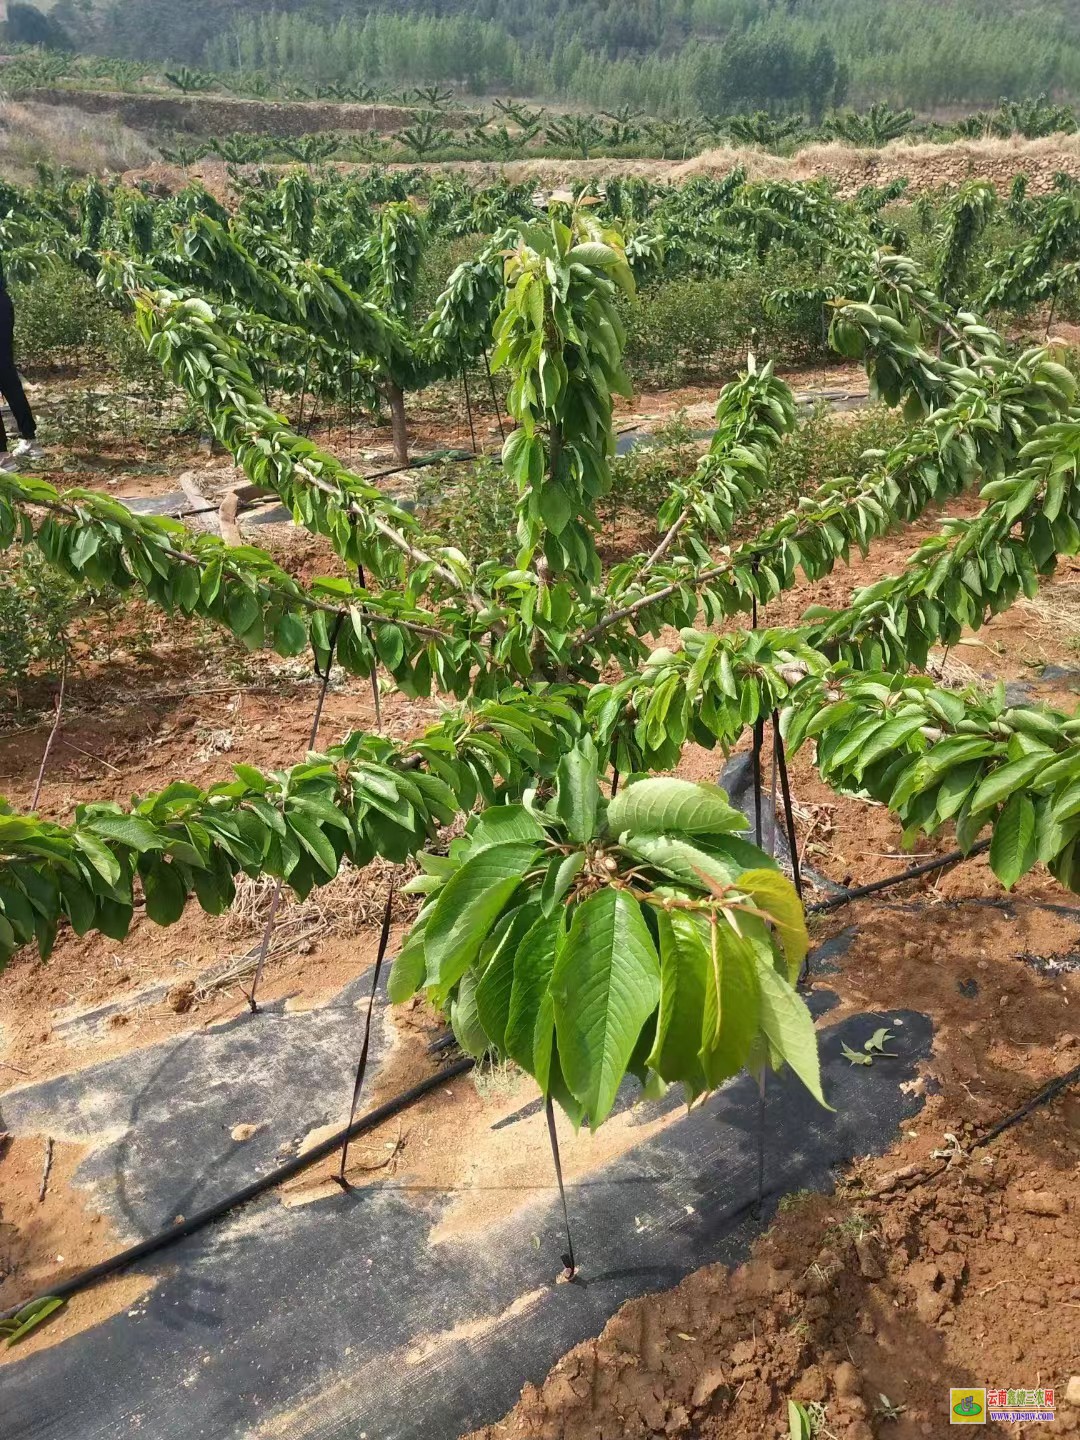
x: 494, y: 396
x: 361, y: 1064
x: 275, y: 898
x: 761, y: 1139
x: 569, y: 1264
x: 468, y: 407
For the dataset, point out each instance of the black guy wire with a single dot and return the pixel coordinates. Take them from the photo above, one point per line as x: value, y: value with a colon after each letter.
x: 569, y: 1265
x: 361, y: 1064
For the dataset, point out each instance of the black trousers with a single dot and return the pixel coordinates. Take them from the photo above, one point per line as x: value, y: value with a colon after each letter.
x: 10, y: 384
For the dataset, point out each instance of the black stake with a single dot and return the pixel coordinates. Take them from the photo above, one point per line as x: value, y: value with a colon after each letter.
x: 494, y: 397
x: 614, y: 781
x: 275, y: 898
x: 468, y: 407
x: 361, y: 1064
x: 569, y: 1265
x: 376, y: 700
x: 761, y: 1141
x: 759, y: 735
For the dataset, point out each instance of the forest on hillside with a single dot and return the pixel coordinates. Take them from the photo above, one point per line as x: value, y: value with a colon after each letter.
x: 666, y: 56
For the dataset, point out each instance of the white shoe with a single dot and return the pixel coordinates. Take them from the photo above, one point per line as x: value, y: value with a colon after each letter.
x: 9, y: 463
x: 29, y: 450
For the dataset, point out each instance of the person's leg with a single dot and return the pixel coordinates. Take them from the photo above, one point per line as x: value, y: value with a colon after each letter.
x: 10, y: 384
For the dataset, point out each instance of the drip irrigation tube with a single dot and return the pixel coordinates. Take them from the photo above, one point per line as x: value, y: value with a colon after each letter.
x: 270, y: 1181
x: 876, y: 886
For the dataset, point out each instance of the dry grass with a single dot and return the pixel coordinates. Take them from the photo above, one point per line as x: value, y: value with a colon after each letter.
x: 353, y: 901
x: 60, y: 135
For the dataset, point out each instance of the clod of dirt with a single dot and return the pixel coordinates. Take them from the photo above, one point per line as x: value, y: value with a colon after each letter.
x: 181, y: 997
x: 1072, y: 1391
x: 244, y: 1132
x: 846, y: 1379
x: 870, y: 1259
x: 1043, y: 1202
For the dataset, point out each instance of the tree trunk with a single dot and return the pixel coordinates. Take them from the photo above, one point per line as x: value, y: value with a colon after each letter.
x: 396, y: 400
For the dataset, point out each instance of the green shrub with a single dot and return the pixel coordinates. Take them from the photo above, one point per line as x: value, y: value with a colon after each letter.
x: 61, y: 320
x: 472, y: 505
x: 685, y: 330
x: 37, y: 608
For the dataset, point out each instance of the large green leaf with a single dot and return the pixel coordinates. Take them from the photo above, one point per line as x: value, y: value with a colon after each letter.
x: 577, y: 792
x: 534, y: 961
x: 684, y: 961
x: 494, y: 991
x: 671, y: 806
x: 776, y: 896
x: 1012, y: 848
x: 605, y: 986
x: 465, y: 1018
x: 165, y: 892
x: 686, y: 863
x: 468, y: 905
x: 730, y: 1027
x: 1001, y: 783
x: 788, y: 1027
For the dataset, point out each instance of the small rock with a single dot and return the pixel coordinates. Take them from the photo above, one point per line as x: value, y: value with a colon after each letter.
x: 1043, y: 1202
x: 742, y: 1352
x: 846, y: 1378
x: 1072, y: 1391
x: 1008, y: 1235
x: 244, y: 1132
x: 930, y: 1305
x: 870, y: 1260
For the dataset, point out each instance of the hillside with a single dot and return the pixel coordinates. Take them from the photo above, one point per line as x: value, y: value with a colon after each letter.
x: 667, y: 56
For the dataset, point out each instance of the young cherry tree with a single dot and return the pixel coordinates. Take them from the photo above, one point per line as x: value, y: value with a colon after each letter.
x: 586, y: 938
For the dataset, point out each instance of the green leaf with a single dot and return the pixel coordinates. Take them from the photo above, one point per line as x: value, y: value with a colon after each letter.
x: 561, y: 874
x: 729, y: 1023
x: 670, y: 806
x: 605, y: 986
x: 578, y: 794
x: 465, y: 1019
x: 1001, y: 783
x: 788, y: 1027
x: 878, y: 1041
x: 311, y: 837
x: 407, y: 971
x: 129, y: 830
x: 165, y: 892
x: 29, y: 1317
x: 853, y: 1055
x: 684, y: 962
x: 798, y: 1422
x: 494, y: 991
x: 534, y: 961
x: 776, y: 896
x: 468, y: 906
x: 1012, y: 848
